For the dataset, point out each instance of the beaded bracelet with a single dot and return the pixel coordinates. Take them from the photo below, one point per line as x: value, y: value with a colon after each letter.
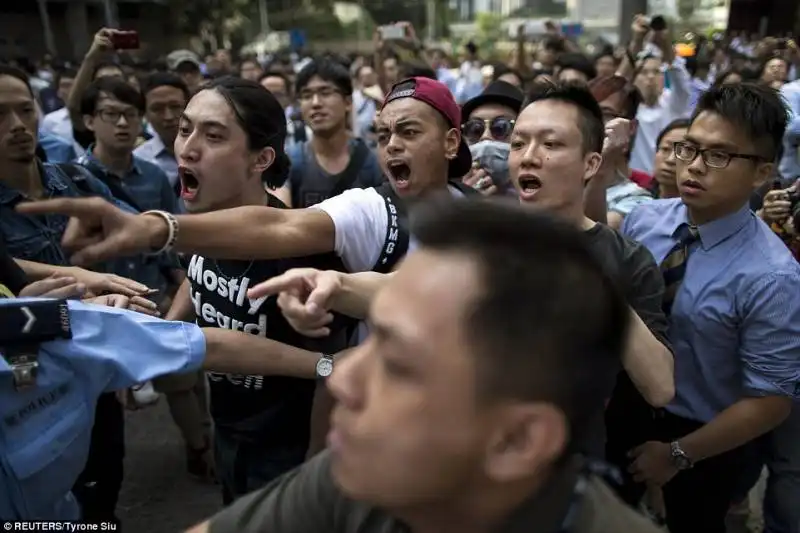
x: 172, y: 227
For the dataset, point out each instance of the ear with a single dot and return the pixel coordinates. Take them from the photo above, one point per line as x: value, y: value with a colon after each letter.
x: 763, y: 173
x: 88, y: 121
x: 592, y: 162
x: 264, y: 159
x: 452, y: 142
x: 527, y: 438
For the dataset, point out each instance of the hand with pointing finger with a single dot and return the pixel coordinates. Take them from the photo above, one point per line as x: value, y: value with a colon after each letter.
x: 305, y: 296
x: 98, y: 230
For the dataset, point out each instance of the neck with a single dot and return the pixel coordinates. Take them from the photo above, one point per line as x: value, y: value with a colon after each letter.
x: 118, y: 162
x: 698, y: 217
x: 331, y: 146
x: 495, y: 508
x: 22, y: 177
x: 251, y: 195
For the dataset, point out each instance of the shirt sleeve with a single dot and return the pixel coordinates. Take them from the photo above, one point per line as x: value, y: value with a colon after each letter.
x: 645, y: 292
x: 625, y: 204
x: 680, y: 92
x: 302, y: 501
x: 361, y: 221
x: 120, y: 348
x: 770, y: 336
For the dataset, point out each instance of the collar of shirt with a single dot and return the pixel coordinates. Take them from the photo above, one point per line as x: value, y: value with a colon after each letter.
x: 92, y: 163
x: 711, y: 233
x: 52, y: 181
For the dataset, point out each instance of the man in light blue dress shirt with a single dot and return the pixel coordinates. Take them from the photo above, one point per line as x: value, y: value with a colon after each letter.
x: 735, y: 320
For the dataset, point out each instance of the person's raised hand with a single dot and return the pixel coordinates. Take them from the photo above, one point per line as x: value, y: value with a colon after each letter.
x: 305, y: 296
x: 98, y: 230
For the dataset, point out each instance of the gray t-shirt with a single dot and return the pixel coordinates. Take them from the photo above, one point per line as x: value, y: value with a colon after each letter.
x: 311, y: 184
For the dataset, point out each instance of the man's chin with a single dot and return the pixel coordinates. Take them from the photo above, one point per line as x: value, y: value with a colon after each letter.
x: 22, y: 159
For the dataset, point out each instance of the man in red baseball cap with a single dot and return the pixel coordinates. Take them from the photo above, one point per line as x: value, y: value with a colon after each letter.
x: 419, y: 139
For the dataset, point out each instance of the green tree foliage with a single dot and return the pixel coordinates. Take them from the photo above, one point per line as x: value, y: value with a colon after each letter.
x: 686, y: 9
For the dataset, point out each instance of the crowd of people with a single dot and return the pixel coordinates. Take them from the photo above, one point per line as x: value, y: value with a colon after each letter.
x: 401, y: 293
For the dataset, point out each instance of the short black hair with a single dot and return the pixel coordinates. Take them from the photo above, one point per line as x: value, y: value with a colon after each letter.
x: 501, y: 69
x: 417, y: 69
x: 69, y: 73
x: 261, y: 117
x: 546, y: 323
x: 676, y: 124
x: 14, y: 72
x: 590, y: 115
x: 753, y: 108
x: 277, y: 74
x: 118, y: 88
x: 106, y: 64
x: 163, y: 79
x: 327, y: 70
x: 578, y: 62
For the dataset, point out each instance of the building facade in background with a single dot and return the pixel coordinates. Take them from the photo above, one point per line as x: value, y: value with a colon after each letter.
x: 72, y: 24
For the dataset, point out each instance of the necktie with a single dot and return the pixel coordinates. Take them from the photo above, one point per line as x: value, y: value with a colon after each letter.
x: 673, y: 268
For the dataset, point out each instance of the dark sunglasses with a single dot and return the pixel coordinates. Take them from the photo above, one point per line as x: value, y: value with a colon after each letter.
x: 500, y: 128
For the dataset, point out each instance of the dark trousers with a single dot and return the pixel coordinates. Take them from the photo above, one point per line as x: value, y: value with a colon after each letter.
x: 97, y: 488
x: 244, y: 466
x: 697, y: 499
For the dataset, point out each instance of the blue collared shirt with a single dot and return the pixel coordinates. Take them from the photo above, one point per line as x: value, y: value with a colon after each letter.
x: 45, y: 431
x: 149, y: 187
x: 735, y: 323
x: 39, y: 238
x: 154, y: 151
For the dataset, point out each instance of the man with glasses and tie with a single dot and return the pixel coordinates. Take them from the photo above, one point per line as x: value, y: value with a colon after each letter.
x: 731, y: 300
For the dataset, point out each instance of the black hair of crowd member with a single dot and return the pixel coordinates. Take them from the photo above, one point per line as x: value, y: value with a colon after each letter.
x: 471, y: 48
x: 163, y: 79
x: 501, y: 69
x: 68, y: 73
x: 118, y: 88
x: 261, y: 117
x: 606, y: 51
x: 724, y: 75
x: 326, y: 70
x: 589, y: 113
x: 676, y: 124
x: 417, y: 69
x: 566, y: 362
x: 753, y: 108
x: 763, y: 65
x: 578, y: 62
x: 695, y: 64
x: 553, y: 44
x: 277, y: 74
x: 106, y: 64
x: 14, y: 72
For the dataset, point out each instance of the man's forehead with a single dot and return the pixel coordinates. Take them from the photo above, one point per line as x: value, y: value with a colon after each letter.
x: 209, y: 105
x: 9, y: 85
x: 550, y: 114
x: 406, y: 109
x: 109, y: 100
x: 428, y: 294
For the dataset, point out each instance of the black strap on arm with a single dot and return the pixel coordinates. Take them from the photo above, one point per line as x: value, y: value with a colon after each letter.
x: 397, y: 239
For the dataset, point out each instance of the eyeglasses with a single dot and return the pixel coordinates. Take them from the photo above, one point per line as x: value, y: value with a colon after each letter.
x: 112, y: 116
x: 713, y: 158
x: 500, y: 128
x: 323, y: 92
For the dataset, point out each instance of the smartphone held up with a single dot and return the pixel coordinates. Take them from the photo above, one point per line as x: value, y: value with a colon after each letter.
x: 125, y: 39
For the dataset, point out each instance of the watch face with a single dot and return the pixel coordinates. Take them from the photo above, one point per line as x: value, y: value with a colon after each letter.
x: 324, y: 367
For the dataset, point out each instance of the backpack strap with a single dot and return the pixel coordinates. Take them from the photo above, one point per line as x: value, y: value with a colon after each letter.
x: 77, y: 176
x: 395, y: 245
x: 349, y: 175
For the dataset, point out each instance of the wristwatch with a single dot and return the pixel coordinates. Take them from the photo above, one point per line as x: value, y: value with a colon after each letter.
x: 324, y: 366
x: 679, y: 457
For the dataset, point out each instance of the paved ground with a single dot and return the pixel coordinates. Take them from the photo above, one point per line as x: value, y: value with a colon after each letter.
x: 158, y: 496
